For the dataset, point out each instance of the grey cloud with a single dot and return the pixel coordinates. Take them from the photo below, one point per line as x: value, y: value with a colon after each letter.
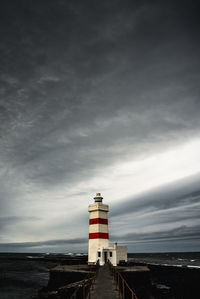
x: 182, y: 213
x: 177, y: 234
x: 13, y: 220
x: 87, y: 84
x: 52, y: 243
x: 176, y: 194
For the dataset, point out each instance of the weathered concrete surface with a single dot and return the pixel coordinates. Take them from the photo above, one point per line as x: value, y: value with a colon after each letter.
x: 64, y: 279
x: 71, y: 268
x: 65, y: 274
x: 104, y: 287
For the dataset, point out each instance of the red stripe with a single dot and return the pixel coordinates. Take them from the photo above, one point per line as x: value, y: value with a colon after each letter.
x: 98, y: 236
x: 98, y: 221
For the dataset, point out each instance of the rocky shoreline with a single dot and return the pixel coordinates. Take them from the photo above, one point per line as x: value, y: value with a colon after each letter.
x: 164, y: 282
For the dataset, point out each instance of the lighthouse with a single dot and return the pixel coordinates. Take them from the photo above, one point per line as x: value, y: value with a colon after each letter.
x: 98, y: 244
x: 98, y: 229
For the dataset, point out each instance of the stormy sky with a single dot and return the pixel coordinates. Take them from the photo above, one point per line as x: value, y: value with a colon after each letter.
x: 99, y: 96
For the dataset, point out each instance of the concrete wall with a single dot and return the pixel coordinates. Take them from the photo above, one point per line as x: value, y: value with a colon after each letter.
x: 118, y: 254
x: 121, y: 254
x: 96, y: 245
x: 113, y: 258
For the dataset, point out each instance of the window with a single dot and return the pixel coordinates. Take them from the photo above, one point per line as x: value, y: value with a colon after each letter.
x: 99, y: 254
x: 110, y: 254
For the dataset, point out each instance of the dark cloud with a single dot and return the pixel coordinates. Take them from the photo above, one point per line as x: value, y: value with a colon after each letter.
x: 182, y: 238
x: 53, y: 244
x: 177, y: 234
x: 85, y: 86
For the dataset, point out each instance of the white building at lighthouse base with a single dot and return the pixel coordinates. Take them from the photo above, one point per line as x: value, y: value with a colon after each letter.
x: 115, y: 254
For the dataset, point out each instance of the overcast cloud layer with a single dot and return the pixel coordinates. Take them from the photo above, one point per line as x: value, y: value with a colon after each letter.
x: 99, y: 96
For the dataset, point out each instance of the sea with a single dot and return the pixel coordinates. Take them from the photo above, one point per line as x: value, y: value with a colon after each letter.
x: 176, y: 259
x: 23, y: 274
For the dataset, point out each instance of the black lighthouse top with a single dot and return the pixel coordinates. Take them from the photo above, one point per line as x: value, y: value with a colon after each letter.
x: 98, y: 197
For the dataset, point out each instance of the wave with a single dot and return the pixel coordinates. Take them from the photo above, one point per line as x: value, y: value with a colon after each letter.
x: 35, y: 257
x: 192, y: 266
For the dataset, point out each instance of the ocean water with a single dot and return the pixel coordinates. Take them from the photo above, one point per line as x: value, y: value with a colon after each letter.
x: 23, y: 274
x: 178, y: 259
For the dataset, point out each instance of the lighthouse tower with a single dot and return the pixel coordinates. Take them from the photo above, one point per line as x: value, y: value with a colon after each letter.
x: 98, y: 230
x: 98, y: 244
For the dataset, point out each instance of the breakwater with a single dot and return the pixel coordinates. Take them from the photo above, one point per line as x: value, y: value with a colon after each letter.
x: 23, y: 275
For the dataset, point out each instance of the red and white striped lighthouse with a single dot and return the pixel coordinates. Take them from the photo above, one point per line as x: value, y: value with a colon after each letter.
x: 98, y: 230
x: 98, y: 244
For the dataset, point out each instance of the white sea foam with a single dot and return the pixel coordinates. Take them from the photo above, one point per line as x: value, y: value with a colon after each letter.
x: 162, y: 287
x: 192, y: 266
x: 172, y: 265
x: 34, y: 257
x: 69, y: 253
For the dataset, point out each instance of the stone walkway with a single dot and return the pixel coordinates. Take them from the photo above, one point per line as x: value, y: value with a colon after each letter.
x: 104, y: 288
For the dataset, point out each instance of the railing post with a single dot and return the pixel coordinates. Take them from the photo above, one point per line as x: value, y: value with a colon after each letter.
x: 84, y: 289
x: 115, y: 274
x: 119, y: 285
x: 123, y: 290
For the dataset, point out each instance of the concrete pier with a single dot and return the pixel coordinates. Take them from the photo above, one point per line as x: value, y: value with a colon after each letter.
x: 104, y: 287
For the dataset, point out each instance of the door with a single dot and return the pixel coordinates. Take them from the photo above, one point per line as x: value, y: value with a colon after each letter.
x: 105, y: 257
